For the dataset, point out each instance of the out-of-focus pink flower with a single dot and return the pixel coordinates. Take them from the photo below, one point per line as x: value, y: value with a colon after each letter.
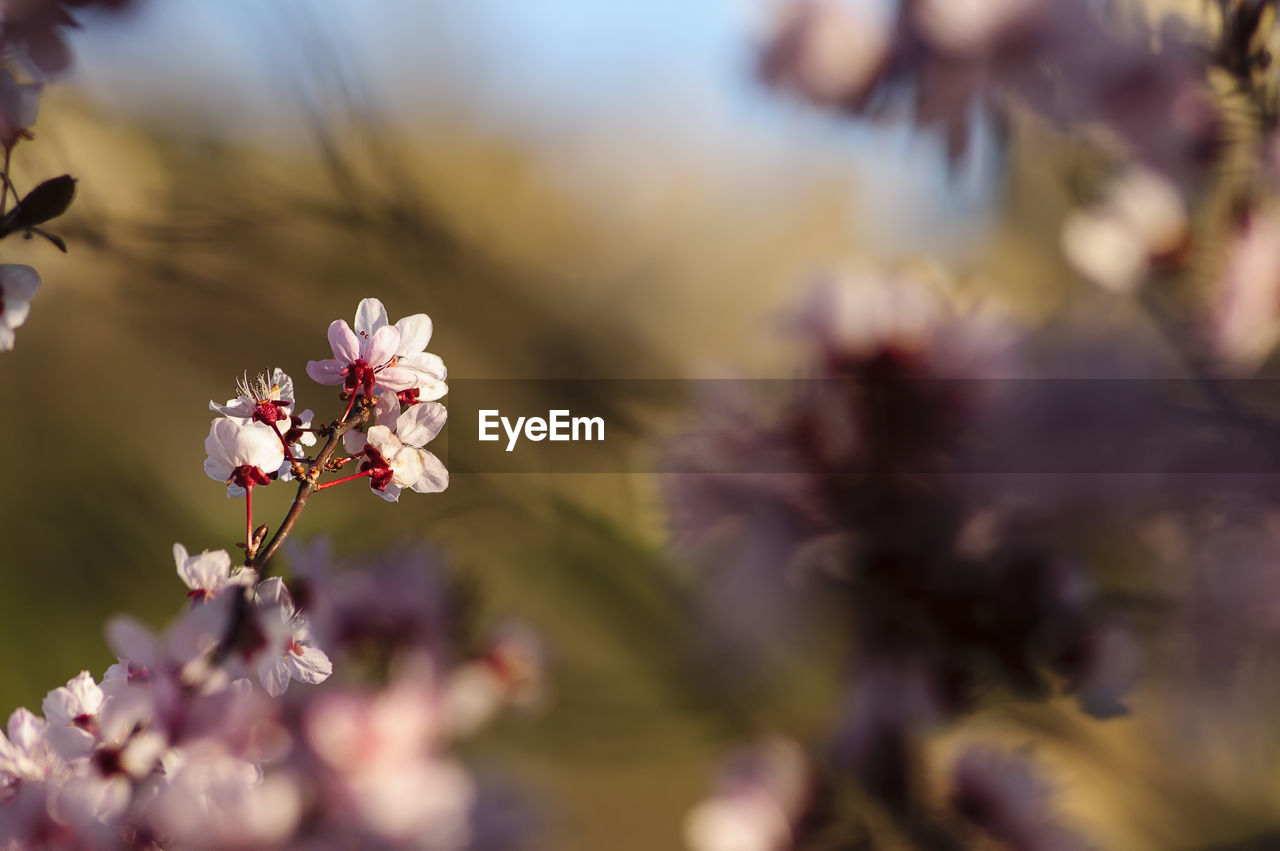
x: 25, y: 754
x: 214, y: 799
x: 829, y: 51
x: 383, y: 752
x: 18, y: 285
x: 207, y: 573
x: 72, y: 715
x: 1245, y: 318
x: 1142, y: 221
x: 242, y: 454
x: 290, y: 653
x: 35, y: 30
x: 762, y: 792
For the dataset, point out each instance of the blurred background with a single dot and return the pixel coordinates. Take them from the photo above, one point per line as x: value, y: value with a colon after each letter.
x: 569, y: 189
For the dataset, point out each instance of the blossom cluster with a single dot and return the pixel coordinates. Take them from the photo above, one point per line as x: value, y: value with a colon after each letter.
x: 193, y: 738
x: 172, y: 749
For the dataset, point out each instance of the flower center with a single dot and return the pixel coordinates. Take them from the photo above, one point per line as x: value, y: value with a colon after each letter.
x: 246, y: 475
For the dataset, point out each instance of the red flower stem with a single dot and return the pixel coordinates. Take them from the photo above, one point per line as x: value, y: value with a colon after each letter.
x: 368, y: 472
x: 248, y: 519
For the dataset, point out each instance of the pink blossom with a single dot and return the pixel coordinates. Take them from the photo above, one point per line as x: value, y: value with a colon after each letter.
x: 18, y: 284
x: 393, y: 449
x: 72, y: 715
x: 207, y: 573
x: 366, y: 360
x: 290, y: 652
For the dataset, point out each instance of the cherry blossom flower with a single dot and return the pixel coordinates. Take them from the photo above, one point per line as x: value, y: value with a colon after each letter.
x: 394, y: 452
x: 382, y: 751
x: 762, y: 792
x: 415, y: 334
x: 72, y: 715
x: 24, y: 754
x: 266, y: 399
x: 290, y: 652
x: 214, y: 799
x: 207, y: 573
x: 1142, y: 222
x: 1244, y: 319
x: 18, y: 284
x: 366, y: 360
x: 242, y: 455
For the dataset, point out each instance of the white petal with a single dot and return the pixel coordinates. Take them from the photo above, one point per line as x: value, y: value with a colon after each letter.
x: 382, y: 439
x: 259, y: 444
x: 207, y: 571
x: 371, y: 317
x: 19, y: 282
x: 396, y: 378
x: 132, y: 641
x: 434, y: 478
x: 217, y: 470
x: 354, y: 441
x: 415, y: 334
x: 425, y: 363
x: 406, y: 468
x: 312, y: 667
x: 25, y: 729
x: 15, y: 313
x: 273, y: 593
x: 273, y: 673
x: 387, y: 409
x: 419, y: 425
x: 391, y: 493
x: 381, y: 347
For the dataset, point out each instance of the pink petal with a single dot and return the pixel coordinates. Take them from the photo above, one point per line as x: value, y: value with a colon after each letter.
x: 381, y: 348
x: 420, y: 424
x: 326, y: 371
x: 396, y: 378
x: 434, y: 478
x: 343, y: 341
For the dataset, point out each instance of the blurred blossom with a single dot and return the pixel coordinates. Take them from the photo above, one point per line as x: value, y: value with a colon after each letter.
x: 831, y: 51
x: 171, y: 750
x: 1142, y: 222
x: 36, y: 30
x: 1001, y: 794
x: 1245, y: 317
x: 18, y: 285
x: 953, y: 58
x: 761, y: 794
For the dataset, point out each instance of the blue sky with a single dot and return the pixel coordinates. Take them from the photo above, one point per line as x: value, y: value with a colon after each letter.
x: 677, y: 72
